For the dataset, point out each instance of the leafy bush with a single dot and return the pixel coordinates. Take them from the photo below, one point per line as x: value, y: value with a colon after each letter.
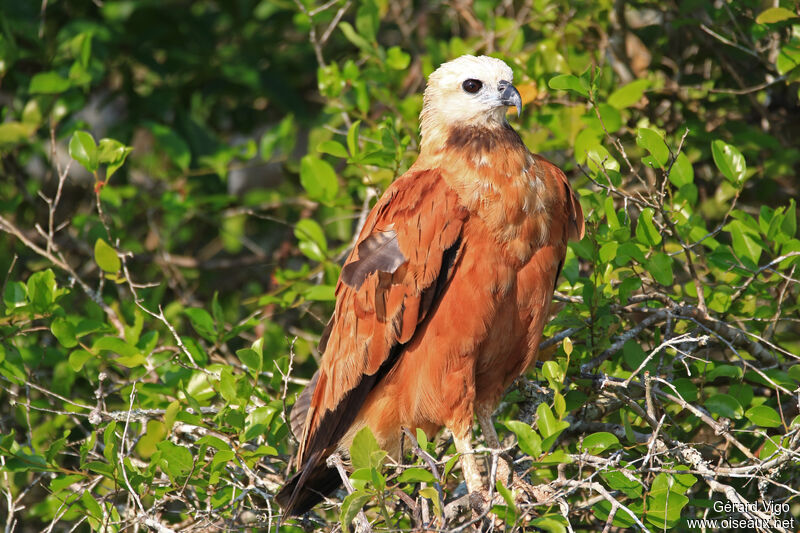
x: 181, y: 181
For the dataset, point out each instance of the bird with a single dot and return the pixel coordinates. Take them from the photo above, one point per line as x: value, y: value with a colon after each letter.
x: 442, y: 301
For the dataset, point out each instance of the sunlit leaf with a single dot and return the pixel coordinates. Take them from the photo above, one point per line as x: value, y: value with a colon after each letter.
x: 83, y: 149
x: 729, y: 161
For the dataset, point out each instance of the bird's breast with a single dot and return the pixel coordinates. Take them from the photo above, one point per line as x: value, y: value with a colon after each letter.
x: 509, y: 193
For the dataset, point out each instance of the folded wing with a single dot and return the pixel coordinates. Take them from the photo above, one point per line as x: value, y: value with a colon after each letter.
x: 401, y: 264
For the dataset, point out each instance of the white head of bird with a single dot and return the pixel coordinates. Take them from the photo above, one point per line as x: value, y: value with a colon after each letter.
x: 469, y: 91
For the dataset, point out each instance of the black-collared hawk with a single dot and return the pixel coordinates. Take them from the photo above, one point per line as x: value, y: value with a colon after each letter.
x: 442, y: 302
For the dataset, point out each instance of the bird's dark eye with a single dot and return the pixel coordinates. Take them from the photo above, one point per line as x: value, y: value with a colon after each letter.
x: 472, y: 86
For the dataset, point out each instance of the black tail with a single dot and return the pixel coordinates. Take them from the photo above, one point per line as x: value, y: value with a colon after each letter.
x: 308, y: 486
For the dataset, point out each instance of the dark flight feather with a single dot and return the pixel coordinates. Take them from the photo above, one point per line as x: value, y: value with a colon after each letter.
x: 378, y: 252
x: 297, y: 417
x: 315, y: 480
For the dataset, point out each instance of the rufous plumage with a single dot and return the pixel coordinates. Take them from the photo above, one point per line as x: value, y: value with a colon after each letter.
x: 442, y: 302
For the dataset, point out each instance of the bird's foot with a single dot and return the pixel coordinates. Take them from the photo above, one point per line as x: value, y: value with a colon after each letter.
x: 479, y: 501
x: 524, y: 492
x: 481, y: 504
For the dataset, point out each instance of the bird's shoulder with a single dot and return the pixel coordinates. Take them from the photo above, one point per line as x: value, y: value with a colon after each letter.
x: 568, y: 206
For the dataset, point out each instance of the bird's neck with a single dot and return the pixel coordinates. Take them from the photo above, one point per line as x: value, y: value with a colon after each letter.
x: 496, y: 178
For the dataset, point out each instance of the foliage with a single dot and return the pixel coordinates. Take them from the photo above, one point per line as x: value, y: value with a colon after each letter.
x: 181, y: 181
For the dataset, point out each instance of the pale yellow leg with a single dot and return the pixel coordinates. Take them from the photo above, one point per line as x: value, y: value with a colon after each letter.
x: 490, y: 437
x: 469, y: 465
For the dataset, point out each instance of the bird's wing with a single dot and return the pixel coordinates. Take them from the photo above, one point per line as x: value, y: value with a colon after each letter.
x: 402, y: 261
x: 573, y: 211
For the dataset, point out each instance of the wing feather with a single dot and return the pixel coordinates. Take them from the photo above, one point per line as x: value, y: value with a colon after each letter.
x: 404, y: 257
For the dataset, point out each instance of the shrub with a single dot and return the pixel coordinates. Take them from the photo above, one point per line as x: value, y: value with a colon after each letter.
x: 181, y: 182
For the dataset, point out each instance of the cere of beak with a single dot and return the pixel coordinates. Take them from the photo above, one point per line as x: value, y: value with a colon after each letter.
x: 509, y: 95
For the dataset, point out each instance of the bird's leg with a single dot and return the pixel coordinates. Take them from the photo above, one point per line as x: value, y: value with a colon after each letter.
x: 504, y: 470
x: 478, y: 494
x: 469, y: 465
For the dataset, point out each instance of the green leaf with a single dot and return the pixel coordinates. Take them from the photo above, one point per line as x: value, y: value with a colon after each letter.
x: 13, y: 133
x: 558, y: 457
x: 724, y: 405
x: 663, y: 503
x: 416, y: 475
x: 352, y: 138
x: 15, y: 295
x: 627, y: 287
x: 115, y: 345
x: 422, y: 439
x: 131, y: 361
x: 527, y: 439
x: 364, y: 448
x: 368, y: 20
x: 93, y: 509
x: 60, y: 483
x: 250, y: 358
x: 629, y: 94
x: 729, y: 371
x: 788, y: 61
x: 608, y: 251
x: 320, y: 293
x: 202, y: 322
x: 507, y: 495
x: 612, y: 120
x: 789, y: 224
x: 634, y: 355
x: 280, y: 137
x: 176, y: 461
x: 611, y: 214
x: 106, y: 257
x: 559, y: 404
x: 617, y: 480
x: 397, y: 59
x: 599, y: 442
x: 551, y: 524
x: 682, y: 172
x: 113, y: 153
x: 83, y: 150
x: 553, y: 373
x: 598, y: 157
x: 547, y: 423
x: 448, y: 467
x: 660, y: 266
x: 433, y: 495
x: 318, y: 179
x: 775, y: 14
x: 746, y: 242
x: 686, y: 389
x: 77, y: 358
x: 64, y: 331
x: 742, y: 392
x: 48, y: 83
x: 652, y: 141
x: 587, y: 140
x: 333, y: 148
x: 764, y: 416
x: 312, y: 239
x: 352, y: 35
x: 42, y: 290
x: 729, y: 161
x: 351, y: 505
x: 646, y: 232
x: 568, y: 82
x: 629, y: 250
x: 172, y: 145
